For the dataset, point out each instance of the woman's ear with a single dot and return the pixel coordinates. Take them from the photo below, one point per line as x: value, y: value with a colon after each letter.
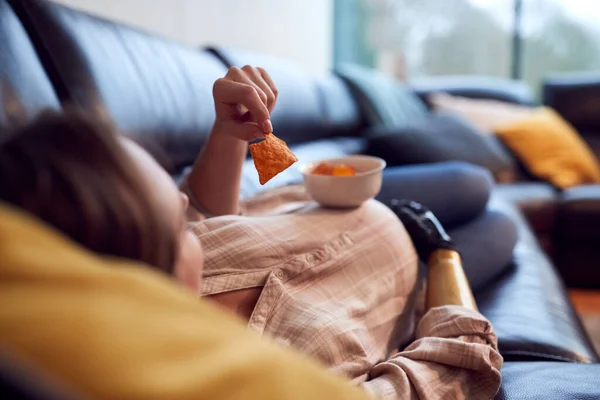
x: 185, y: 200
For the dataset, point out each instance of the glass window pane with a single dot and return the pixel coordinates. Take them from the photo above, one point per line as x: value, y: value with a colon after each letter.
x: 559, y: 35
x: 443, y: 37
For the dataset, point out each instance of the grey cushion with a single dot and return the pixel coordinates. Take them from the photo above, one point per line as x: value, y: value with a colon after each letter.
x: 440, y: 137
x: 385, y: 101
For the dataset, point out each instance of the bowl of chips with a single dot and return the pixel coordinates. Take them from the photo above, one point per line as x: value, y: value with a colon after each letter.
x: 344, y: 182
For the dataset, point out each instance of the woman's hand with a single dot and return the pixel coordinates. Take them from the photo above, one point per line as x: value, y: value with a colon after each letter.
x: 244, y: 99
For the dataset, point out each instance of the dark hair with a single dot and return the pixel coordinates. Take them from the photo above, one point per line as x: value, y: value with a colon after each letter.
x: 71, y: 171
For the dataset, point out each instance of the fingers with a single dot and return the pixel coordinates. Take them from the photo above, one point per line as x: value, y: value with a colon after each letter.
x: 248, y: 132
x: 269, y: 81
x: 271, y: 89
x: 229, y: 92
x: 244, y: 75
x: 266, y: 92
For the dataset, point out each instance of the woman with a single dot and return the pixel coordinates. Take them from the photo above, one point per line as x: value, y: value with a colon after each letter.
x: 341, y: 286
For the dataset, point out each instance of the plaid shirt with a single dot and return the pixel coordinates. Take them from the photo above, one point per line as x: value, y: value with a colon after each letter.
x: 343, y: 286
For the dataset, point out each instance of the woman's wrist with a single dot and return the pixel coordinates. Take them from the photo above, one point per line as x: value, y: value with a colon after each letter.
x: 219, y: 130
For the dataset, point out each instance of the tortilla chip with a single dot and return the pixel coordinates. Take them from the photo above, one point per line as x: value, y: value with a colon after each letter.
x: 322, y: 169
x: 343, y: 170
x: 271, y: 156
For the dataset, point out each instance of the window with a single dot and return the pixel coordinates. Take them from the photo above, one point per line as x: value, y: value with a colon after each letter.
x: 523, y: 39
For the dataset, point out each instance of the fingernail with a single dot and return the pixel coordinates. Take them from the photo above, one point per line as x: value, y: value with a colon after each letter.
x: 267, y: 126
x: 259, y: 135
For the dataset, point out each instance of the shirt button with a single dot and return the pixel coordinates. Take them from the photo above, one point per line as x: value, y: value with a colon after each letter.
x: 279, y: 274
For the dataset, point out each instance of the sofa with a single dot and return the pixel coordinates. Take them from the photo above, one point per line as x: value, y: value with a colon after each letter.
x: 160, y: 94
x: 576, y: 96
x: 565, y: 221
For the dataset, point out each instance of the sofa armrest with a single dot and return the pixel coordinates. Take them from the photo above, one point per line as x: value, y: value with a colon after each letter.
x: 576, y: 96
x: 538, y: 201
x: 549, y: 380
x: 577, y: 236
x: 476, y: 87
x: 579, y: 214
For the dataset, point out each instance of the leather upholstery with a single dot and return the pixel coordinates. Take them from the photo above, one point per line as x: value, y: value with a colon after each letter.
x: 537, y: 200
x: 580, y: 213
x: 528, y: 305
x: 477, y: 87
x: 150, y: 87
x: 342, y: 115
x: 547, y: 380
x: 577, y: 232
x: 307, y: 108
x: 24, y: 86
x: 576, y: 97
x: 19, y: 379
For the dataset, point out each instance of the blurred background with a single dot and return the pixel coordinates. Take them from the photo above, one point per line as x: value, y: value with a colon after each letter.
x: 523, y: 39
x: 299, y: 30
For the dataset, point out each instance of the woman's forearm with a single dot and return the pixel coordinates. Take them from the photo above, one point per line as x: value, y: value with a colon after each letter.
x: 446, y: 281
x: 215, y: 179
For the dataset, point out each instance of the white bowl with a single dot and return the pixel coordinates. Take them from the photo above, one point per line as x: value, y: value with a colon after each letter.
x: 345, y: 191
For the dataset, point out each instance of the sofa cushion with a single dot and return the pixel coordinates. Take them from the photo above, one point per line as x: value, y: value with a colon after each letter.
x: 24, y: 86
x: 385, y: 101
x: 484, y: 114
x: 342, y: 114
x: 440, y: 137
x: 551, y: 149
x: 149, y: 87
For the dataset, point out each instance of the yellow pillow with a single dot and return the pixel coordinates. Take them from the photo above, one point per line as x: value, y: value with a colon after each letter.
x: 110, y: 329
x: 551, y: 149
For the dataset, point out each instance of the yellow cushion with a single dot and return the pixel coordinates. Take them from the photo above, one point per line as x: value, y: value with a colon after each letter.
x: 115, y: 330
x: 551, y: 148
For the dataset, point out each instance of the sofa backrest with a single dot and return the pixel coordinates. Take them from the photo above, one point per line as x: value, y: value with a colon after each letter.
x: 475, y: 87
x: 24, y: 86
x: 153, y: 89
x: 160, y: 92
x: 576, y: 96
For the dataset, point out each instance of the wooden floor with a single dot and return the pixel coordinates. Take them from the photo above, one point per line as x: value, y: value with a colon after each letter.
x: 587, y: 304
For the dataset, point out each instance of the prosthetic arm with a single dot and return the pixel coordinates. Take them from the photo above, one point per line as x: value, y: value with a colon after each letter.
x: 446, y: 280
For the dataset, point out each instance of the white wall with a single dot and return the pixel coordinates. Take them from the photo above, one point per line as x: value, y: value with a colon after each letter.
x: 299, y: 30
